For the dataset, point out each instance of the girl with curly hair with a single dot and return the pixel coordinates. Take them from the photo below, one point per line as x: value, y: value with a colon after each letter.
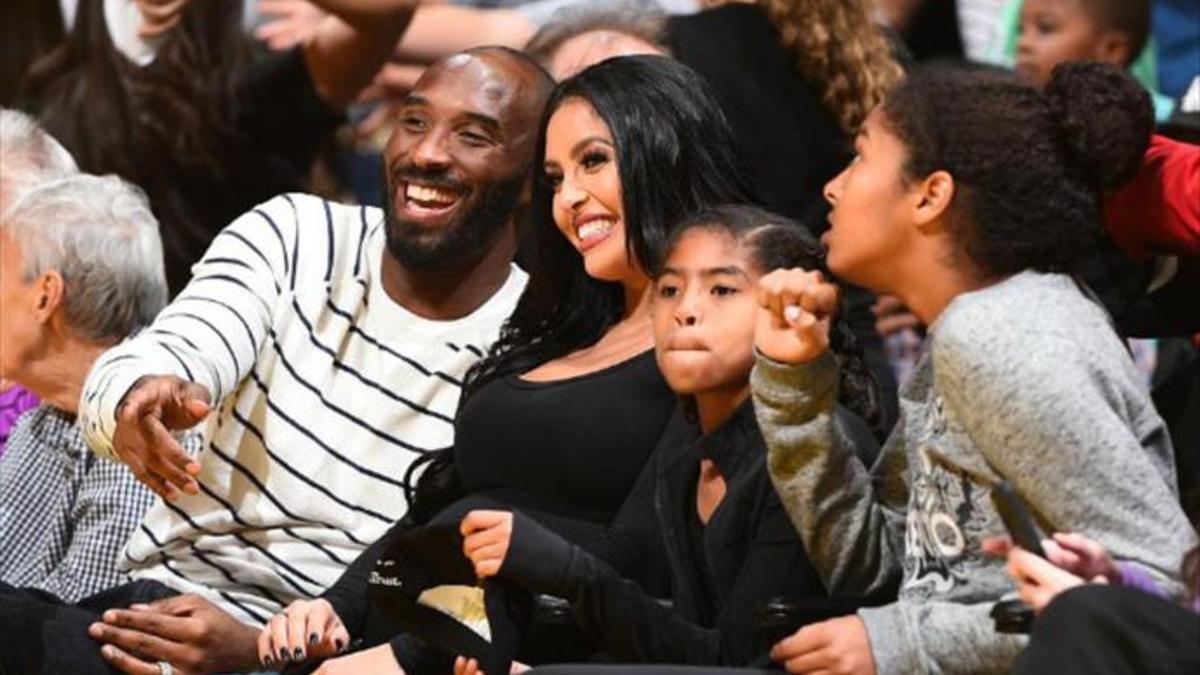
x: 970, y: 199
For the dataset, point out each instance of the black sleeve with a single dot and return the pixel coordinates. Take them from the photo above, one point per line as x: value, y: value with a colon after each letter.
x: 349, y: 594
x: 632, y: 543
x: 613, y: 611
x: 416, y: 656
x: 280, y: 111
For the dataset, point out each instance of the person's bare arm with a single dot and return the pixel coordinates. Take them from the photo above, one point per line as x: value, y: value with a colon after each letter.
x: 438, y: 30
x: 352, y: 43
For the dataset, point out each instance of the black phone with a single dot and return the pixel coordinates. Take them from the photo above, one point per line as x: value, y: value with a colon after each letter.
x: 1013, y: 617
x: 1016, y: 518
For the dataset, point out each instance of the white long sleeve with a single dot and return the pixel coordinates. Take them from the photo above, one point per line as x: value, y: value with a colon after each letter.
x: 324, y: 391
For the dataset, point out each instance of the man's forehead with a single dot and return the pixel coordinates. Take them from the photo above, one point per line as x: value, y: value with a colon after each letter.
x: 473, y: 83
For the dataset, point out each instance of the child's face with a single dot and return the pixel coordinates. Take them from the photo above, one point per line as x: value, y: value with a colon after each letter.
x: 871, y: 209
x: 704, y: 312
x: 1059, y: 31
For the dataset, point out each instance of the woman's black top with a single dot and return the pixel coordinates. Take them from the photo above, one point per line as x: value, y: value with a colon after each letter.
x: 573, y: 447
x: 747, y: 554
x: 274, y: 121
x: 791, y: 143
x: 567, y: 451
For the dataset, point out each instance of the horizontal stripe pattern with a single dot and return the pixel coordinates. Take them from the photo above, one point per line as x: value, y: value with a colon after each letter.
x: 325, y: 392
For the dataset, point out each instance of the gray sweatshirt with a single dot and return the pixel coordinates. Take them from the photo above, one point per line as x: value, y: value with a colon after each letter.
x: 1024, y: 381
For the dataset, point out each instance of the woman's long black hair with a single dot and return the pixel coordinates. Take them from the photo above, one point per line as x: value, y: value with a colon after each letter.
x: 179, y: 128
x: 676, y: 154
x: 110, y: 112
x: 29, y: 29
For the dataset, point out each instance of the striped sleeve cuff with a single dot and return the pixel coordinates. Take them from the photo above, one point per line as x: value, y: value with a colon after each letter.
x: 105, y: 390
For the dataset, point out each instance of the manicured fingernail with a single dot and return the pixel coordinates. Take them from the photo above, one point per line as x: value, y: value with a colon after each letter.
x: 312, y: 639
x: 268, y: 661
x: 283, y: 655
x: 298, y: 654
x: 337, y: 644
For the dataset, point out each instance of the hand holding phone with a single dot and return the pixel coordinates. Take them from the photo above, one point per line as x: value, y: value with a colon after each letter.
x: 1017, y: 519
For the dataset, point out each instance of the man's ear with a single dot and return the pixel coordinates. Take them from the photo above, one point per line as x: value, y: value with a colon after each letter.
x: 50, y: 290
x: 935, y: 195
x: 1115, y: 47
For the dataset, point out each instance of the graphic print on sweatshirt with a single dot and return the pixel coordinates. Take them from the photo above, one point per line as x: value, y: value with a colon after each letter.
x: 944, y: 522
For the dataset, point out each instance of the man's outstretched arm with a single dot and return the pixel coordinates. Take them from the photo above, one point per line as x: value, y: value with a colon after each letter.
x: 197, y: 351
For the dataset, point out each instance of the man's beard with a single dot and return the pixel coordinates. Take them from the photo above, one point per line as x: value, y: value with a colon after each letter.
x: 462, y: 241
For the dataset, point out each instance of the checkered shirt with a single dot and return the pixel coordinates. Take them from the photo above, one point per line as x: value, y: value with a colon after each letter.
x: 65, y: 514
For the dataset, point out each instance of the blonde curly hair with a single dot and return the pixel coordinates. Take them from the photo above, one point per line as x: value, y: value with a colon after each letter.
x: 841, y: 50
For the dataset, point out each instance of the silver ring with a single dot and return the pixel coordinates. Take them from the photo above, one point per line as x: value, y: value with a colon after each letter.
x: 165, y: 668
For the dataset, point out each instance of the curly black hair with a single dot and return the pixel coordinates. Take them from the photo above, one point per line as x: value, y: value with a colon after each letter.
x: 778, y: 242
x: 1030, y: 167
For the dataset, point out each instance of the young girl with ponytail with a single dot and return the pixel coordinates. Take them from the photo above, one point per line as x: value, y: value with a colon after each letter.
x: 970, y: 199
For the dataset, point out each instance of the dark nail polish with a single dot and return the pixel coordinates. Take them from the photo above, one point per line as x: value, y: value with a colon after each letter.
x: 298, y: 654
x: 312, y: 639
x: 283, y: 655
x: 337, y: 644
x: 268, y: 662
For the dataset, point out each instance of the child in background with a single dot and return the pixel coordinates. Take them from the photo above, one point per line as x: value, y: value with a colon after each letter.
x: 1045, y: 33
x: 1051, y: 32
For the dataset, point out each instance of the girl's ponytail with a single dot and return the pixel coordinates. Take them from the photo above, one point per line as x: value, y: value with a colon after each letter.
x: 1103, y: 120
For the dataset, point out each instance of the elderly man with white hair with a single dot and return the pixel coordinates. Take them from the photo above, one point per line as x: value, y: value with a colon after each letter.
x: 28, y: 156
x: 80, y: 269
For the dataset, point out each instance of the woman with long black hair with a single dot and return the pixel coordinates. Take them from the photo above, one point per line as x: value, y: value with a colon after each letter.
x: 562, y: 414
x: 192, y: 116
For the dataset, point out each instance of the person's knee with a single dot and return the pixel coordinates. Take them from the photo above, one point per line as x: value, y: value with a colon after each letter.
x: 1088, y: 613
x: 1086, y: 605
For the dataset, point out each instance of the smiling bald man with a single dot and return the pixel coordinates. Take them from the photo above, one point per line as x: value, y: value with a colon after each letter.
x: 322, y: 348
